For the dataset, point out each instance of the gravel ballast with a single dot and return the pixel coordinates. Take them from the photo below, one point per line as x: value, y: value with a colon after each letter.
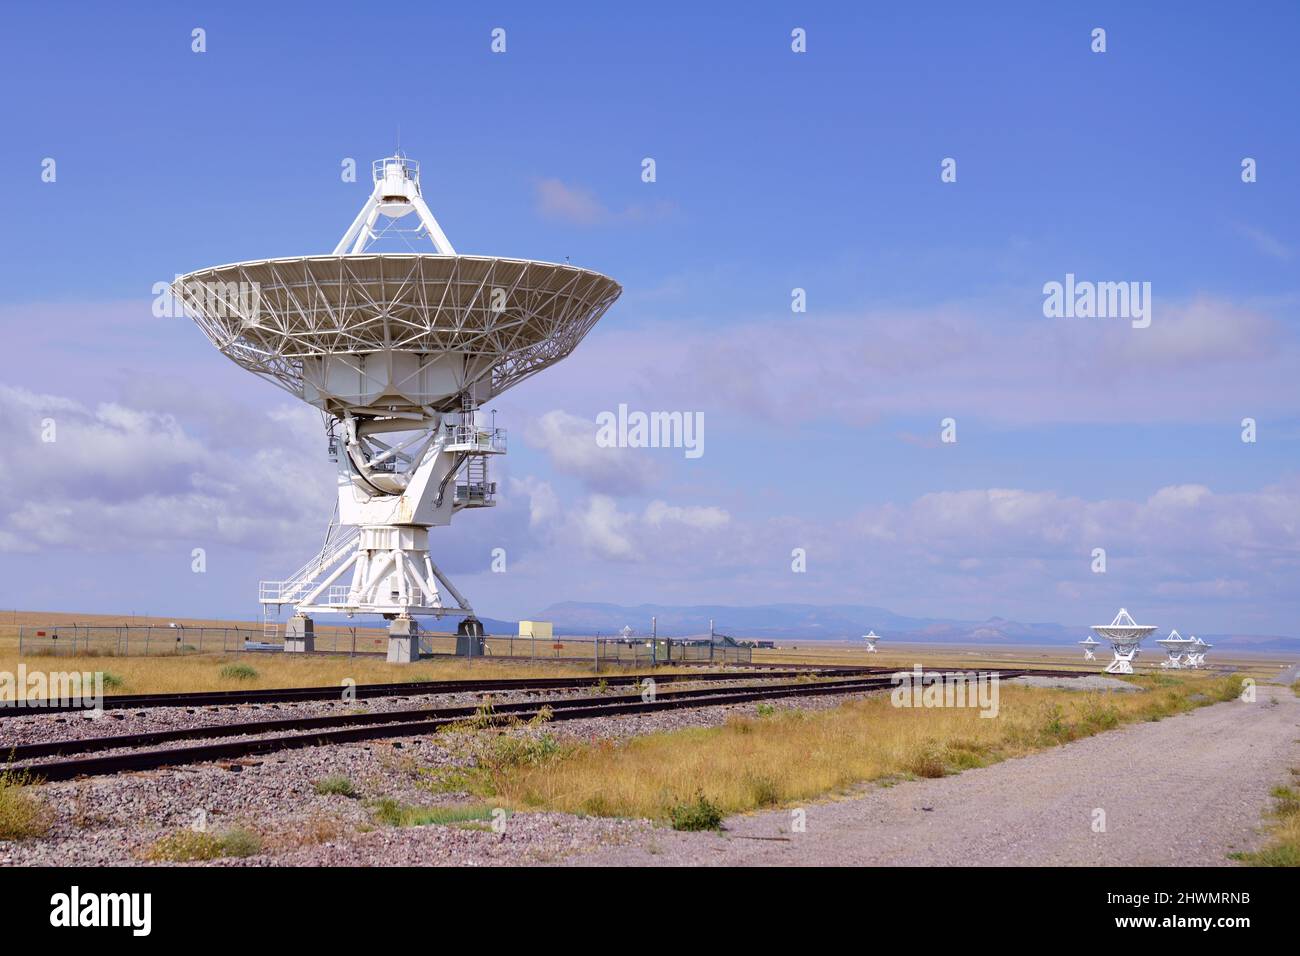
x: 114, y: 820
x: 1090, y: 682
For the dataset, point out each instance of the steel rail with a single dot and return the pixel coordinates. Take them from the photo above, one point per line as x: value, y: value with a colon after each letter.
x: 150, y: 738
x: 275, y: 695
x: 362, y: 727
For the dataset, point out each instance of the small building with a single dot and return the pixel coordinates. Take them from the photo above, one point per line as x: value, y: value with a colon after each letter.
x: 537, y: 630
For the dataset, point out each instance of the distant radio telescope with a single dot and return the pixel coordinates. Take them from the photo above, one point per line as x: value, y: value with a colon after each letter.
x: 1178, y: 649
x: 399, y: 351
x: 1125, y: 636
x: 871, y: 638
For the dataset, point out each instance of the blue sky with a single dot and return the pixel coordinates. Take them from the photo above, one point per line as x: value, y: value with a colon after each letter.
x: 776, y: 170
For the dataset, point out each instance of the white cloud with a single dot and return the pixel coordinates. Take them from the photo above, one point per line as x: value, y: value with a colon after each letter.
x: 603, y: 529
x: 543, y: 503
x: 562, y: 202
x: 1198, y: 357
x: 1266, y: 243
x: 597, y: 527
x: 1185, y: 553
x: 659, y: 513
x: 572, y: 204
x: 118, y: 478
x: 570, y: 443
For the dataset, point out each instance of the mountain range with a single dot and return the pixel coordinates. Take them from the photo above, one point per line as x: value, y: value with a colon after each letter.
x: 834, y: 622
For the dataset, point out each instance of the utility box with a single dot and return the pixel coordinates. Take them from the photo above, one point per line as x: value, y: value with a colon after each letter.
x: 537, y: 630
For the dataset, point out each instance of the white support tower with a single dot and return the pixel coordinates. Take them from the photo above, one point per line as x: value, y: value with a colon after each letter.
x: 871, y: 638
x: 1125, y: 636
x: 1089, y: 646
x: 399, y: 351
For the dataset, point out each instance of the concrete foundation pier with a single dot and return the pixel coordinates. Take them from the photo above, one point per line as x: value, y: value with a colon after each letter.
x: 469, y: 637
x: 403, y: 640
x: 299, y: 634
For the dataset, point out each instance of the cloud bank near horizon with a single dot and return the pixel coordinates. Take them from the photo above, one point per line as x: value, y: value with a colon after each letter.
x: 124, y: 478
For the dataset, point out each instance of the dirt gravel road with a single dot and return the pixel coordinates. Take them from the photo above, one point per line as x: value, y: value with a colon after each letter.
x: 1183, y: 791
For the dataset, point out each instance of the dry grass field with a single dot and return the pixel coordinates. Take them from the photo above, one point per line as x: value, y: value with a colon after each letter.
x: 1283, y: 848
x: 691, y: 777
x: 150, y: 675
x: 163, y: 670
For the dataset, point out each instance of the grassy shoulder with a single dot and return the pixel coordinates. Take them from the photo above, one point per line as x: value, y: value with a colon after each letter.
x: 692, y: 778
x: 22, y: 815
x: 185, y: 846
x: 1283, y: 848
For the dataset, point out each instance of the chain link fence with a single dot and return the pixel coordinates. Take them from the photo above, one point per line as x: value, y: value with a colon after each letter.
x: 107, y: 640
x: 641, y: 653
x: 160, y: 640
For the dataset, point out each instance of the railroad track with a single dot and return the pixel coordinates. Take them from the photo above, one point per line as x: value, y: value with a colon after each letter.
x: 298, y: 732
x: 351, y: 728
x: 290, y: 695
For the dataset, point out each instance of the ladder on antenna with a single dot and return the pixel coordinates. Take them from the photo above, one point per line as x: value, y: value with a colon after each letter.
x: 476, y: 472
x: 270, y: 623
x: 475, y: 491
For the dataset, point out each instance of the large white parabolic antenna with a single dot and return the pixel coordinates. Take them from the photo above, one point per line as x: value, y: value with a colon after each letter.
x: 1125, y: 636
x: 399, y: 351
x: 1178, y: 649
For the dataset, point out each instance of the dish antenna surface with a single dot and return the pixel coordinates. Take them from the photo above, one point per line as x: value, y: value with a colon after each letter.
x: 1125, y: 636
x: 398, y: 351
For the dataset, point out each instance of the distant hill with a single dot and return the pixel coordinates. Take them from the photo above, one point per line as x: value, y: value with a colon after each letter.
x: 836, y: 622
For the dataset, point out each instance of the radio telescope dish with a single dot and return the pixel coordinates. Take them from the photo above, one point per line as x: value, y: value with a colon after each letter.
x: 408, y: 332
x: 398, y: 351
x: 1178, y: 648
x: 1125, y: 636
x: 1089, y: 645
x: 871, y: 638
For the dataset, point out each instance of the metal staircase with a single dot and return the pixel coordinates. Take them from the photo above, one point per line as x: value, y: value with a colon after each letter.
x: 473, y: 489
x: 339, y: 541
